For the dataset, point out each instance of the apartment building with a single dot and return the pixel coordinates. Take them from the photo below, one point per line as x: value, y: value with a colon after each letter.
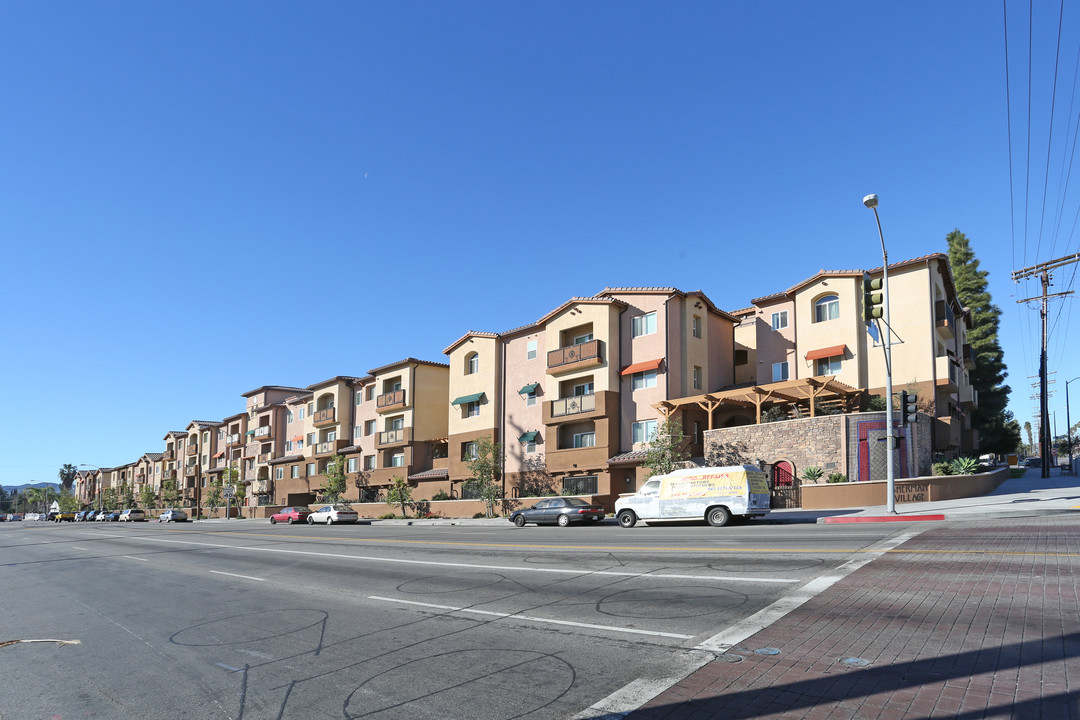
x: 149, y: 469
x: 816, y: 329
x: 572, y: 396
x: 264, y: 438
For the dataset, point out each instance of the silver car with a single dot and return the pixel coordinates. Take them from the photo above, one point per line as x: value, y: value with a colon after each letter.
x: 331, y: 514
x: 132, y: 515
x: 172, y: 516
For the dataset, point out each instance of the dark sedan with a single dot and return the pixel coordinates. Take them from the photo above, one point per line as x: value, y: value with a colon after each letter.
x: 559, y: 511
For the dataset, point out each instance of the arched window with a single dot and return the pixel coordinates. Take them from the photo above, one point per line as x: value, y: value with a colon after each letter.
x: 827, y: 307
x: 472, y: 363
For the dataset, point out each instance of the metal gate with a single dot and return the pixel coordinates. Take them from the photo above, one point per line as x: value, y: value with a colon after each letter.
x: 786, y: 490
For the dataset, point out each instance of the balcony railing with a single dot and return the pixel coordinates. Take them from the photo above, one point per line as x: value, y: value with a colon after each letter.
x: 262, y: 432
x: 324, y: 417
x: 946, y: 373
x: 398, y: 436
x: 190, y: 470
x: 262, y: 458
x: 969, y: 357
x: 572, y: 357
x: 251, y: 475
x: 169, y: 455
x: 390, y: 401
x: 573, y: 405
x: 192, y: 450
x: 234, y: 440
x: 329, y: 447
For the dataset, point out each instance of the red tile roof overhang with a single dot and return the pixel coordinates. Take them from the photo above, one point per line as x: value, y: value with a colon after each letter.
x: 828, y: 352
x: 642, y: 367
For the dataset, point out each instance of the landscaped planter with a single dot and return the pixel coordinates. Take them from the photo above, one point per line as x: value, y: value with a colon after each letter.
x: 922, y: 489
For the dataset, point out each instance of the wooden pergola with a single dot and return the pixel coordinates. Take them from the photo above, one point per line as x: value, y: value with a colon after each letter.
x: 787, y: 391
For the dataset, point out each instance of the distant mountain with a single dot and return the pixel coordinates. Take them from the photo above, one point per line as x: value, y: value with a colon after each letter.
x: 25, y: 486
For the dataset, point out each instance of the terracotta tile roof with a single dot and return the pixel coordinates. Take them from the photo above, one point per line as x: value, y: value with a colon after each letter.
x: 854, y: 273
x: 336, y: 378
x: 430, y: 474
x: 634, y: 456
x: 271, y: 387
x: 285, y: 459
x: 406, y: 361
x: 466, y: 336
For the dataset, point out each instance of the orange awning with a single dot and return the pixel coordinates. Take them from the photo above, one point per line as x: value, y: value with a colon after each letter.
x: 297, y: 438
x: 219, y: 454
x: 642, y: 366
x: 828, y: 352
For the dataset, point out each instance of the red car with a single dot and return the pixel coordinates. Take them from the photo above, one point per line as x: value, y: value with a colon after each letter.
x: 290, y: 515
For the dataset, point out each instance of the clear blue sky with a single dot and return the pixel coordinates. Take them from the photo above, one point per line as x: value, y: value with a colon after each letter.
x: 200, y: 198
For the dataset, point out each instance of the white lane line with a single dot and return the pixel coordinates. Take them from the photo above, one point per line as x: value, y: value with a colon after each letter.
x: 80, y: 548
x: 625, y: 700
x: 246, y: 577
x: 132, y: 557
x: 470, y: 566
x: 230, y: 668
x: 530, y: 618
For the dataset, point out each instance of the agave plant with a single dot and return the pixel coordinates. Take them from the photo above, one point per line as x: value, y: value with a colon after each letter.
x: 812, y: 473
x: 964, y: 466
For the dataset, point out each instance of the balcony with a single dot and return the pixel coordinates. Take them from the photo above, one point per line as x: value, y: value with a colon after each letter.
x: 169, y: 475
x: 393, y: 400
x: 946, y: 374
x: 330, y: 447
x: 192, y: 450
x: 944, y: 319
x: 190, y: 471
x: 234, y: 440
x: 262, y: 458
x: 391, y: 438
x: 575, y: 357
x: 141, y: 478
x: 325, y: 417
x: 259, y: 487
x: 946, y: 433
x: 251, y: 475
x: 969, y: 357
x: 573, y: 405
x: 969, y: 396
x: 261, y: 433
x: 169, y: 455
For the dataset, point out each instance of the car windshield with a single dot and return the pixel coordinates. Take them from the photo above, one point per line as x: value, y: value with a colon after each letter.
x: 577, y: 502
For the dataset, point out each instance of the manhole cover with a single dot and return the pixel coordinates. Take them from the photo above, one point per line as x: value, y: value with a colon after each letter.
x: 767, y: 651
x: 730, y: 658
x: 855, y: 662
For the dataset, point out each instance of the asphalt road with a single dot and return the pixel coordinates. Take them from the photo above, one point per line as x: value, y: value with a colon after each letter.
x: 249, y: 620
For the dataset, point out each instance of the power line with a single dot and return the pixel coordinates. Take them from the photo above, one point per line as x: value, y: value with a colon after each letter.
x: 1050, y: 135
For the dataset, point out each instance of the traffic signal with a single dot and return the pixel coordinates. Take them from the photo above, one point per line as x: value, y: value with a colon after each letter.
x: 909, y: 407
x: 872, y: 298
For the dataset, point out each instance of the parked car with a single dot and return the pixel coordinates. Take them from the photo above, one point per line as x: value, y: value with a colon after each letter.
x: 1033, y: 462
x: 81, y: 515
x: 172, y: 516
x: 65, y: 517
x: 331, y: 514
x: 132, y: 515
x: 90, y: 515
x: 290, y: 515
x: 559, y: 511
x: 14, y: 517
x: 102, y: 516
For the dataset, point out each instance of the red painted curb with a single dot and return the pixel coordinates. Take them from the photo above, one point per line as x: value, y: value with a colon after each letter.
x: 882, y: 518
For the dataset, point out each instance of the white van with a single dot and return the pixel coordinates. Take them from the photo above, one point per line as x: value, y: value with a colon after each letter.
x: 714, y: 494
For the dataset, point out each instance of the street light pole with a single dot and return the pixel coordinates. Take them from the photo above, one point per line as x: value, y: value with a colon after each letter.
x: 871, y: 201
x: 1068, y: 422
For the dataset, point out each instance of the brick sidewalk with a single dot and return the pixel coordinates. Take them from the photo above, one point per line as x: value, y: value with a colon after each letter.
x: 973, y: 620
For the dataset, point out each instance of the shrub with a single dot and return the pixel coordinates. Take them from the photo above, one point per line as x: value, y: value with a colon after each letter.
x: 480, y: 515
x: 837, y: 478
x: 964, y: 466
x: 441, y: 495
x: 812, y: 473
x: 774, y: 414
x: 877, y: 403
x: 942, y: 468
x: 388, y: 516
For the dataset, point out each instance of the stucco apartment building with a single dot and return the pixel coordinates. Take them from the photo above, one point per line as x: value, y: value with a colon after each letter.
x: 571, y: 396
x: 815, y: 328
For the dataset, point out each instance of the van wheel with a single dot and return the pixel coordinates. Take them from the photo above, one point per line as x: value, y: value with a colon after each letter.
x: 627, y: 519
x: 718, y: 516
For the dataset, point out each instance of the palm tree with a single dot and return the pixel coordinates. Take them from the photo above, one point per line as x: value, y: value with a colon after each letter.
x: 67, y: 475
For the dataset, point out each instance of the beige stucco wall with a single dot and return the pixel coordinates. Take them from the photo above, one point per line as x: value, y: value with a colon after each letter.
x: 775, y: 346
x: 486, y: 379
x: 603, y: 318
x: 518, y: 416
x: 431, y: 396
x: 922, y: 489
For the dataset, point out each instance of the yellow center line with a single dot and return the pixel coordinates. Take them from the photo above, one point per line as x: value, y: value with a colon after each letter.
x: 637, y: 548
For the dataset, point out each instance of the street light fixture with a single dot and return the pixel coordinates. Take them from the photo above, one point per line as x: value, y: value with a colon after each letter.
x: 871, y: 201
x: 1068, y: 422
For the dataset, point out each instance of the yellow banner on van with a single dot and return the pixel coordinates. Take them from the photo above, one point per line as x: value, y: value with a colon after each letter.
x: 713, y: 484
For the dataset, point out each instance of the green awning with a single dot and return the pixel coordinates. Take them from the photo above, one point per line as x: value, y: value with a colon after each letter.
x: 475, y: 397
x: 531, y: 388
x: 530, y: 437
x: 250, y: 432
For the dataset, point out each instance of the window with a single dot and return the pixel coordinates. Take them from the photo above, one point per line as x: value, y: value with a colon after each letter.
x: 585, y: 440
x: 697, y: 377
x: 279, y: 473
x: 581, y: 485
x: 294, y: 471
x: 826, y: 308
x: 331, y: 436
x: 220, y: 435
x: 643, y: 325
x: 695, y: 326
x: 369, y: 462
x: 310, y: 469
x: 288, y: 416
x: 471, y: 409
x: 742, y: 357
x: 469, y: 451
x: 530, y: 398
x: 369, y: 427
x: 397, y: 460
x: 310, y: 439
x: 472, y: 363
x: 779, y: 371
x: 644, y: 431
x: 779, y: 320
x: 530, y: 448
x: 358, y: 398
x: 370, y: 392
x: 828, y: 366
x: 351, y: 465
x: 301, y: 414
x: 530, y: 350
x: 641, y: 380
x: 310, y: 408
x: 583, y: 389
x: 397, y: 423
x: 299, y: 444
x: 356, y: 431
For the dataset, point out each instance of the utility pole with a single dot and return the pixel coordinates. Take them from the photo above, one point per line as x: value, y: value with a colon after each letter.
x: 1042, y: 270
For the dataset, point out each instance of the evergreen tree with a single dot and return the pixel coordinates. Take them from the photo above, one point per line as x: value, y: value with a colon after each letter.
x: 998, y: 432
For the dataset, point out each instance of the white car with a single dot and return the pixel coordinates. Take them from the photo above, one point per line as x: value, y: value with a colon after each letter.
x: 331, y: 514
x: 172, y: 516
x: 132, y: 515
